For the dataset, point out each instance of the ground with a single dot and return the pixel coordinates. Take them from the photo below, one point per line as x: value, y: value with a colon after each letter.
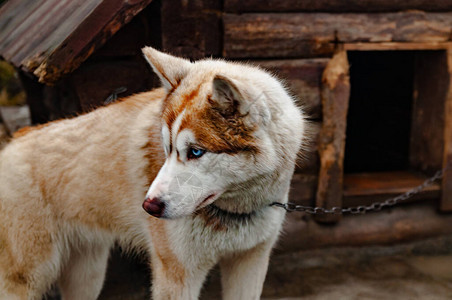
x: 416, y: 270
x: 419, y: 270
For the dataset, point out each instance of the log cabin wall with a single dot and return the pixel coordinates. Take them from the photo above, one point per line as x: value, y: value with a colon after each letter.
x: 296, y: 40
x: 114, y: 64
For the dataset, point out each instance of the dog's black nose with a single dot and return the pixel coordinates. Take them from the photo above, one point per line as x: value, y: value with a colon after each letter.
x: 154, y: 207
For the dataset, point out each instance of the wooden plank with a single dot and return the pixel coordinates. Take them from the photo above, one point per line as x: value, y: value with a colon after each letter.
x: 431, y: 85
x: 391, y: 46
x: 446, y: 199
x: 191, y: 29
x: 315, y: 34
x: 94, y: 82
x: 335, y: 5
x: 104, y: 21
x: 407, y: 223
x: 383, y: 183
x: 335, y: 97
x: 39, y: 111
x: 368, y: 188
x: 302, y: 189
x: 303, y: 77
x: 45, y: 29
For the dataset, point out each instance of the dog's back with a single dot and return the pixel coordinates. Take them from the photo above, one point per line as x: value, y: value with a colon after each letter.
x: 70, y: 183
x: 223, y: 139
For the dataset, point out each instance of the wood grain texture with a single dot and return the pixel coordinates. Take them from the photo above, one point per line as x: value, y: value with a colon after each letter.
x: 89, y: 36
x: 368, y: 188
x: 315, y: 34
x: 431, y: 87
x: 391, y: 46
x: 335, y: 98
x: 335, y: 5
x: 51, y: 37
x: 191, y: 29
x: 391, y: 226
x: 446, y: 199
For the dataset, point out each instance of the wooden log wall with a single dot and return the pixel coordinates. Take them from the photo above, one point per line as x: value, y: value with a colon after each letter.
x: 240, y: 6
x: 316, y: 34
x: 427, y: 127
x: 297, y: 41
x: 191, y: 29
x: 446, y: 200
x: 335, y: 98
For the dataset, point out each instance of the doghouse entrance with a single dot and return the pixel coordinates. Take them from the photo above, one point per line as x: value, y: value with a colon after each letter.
x: 387, y: 124
x: 380, y: 111
x: 395, y: 123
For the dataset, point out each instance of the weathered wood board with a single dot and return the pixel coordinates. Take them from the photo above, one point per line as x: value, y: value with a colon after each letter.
x: 335, y: 5
x: 368, y: 188
x: 51, y: 38
x: 446, y: 199
x: 191, y: 29
x: 316, y: 34
x: 335, y: 98
x: 431, y: 87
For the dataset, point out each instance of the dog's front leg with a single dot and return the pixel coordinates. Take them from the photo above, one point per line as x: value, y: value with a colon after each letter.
x: 243, y: 274
x: 174, y: 281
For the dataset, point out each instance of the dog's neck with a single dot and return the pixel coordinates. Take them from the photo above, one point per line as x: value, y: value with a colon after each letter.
x: 246, y: 203
x: 255, y: 194
x: 222, y: 220
x: 234, y: 216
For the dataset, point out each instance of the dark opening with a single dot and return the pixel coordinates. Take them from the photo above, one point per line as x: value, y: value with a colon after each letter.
x: 380, y: 110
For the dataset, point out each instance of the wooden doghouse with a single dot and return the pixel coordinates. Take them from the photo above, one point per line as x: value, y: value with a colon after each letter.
x: 72, y: 55
x: 385, y: 95
x: 375, y: 75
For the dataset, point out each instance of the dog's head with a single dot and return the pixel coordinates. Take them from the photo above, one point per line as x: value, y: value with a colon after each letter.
x: 217, y: 130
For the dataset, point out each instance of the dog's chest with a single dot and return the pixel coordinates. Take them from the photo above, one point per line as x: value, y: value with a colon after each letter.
x: 212, y: 237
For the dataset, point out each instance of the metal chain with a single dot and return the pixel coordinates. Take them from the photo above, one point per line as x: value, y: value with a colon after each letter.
x: 362, y: 209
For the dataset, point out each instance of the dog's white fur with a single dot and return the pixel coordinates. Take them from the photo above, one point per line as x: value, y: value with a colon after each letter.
x: 70, y: 189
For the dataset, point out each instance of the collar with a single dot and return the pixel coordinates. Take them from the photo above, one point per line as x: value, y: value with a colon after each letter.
x: 221, y: 219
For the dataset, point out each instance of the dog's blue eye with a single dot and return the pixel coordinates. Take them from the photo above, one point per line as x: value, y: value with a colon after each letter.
x: 195, y: 153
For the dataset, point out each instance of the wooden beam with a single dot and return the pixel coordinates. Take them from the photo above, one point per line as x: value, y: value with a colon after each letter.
x: 387, y: 227
x: 368, y: 188
x: 335, y: 5
x: 104, y: 21
x: 315, y: 34
x: 191, y: 29
x: 446, y: 199
x: 302, y: 189
x: 431, y: 86
x: 335, y: 97
x: 391, y: 46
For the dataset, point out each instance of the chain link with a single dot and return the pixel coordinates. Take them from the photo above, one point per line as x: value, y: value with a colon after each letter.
x: 362, y: 209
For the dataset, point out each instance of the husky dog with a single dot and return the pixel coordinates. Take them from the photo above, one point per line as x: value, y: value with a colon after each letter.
x: 207, y: 153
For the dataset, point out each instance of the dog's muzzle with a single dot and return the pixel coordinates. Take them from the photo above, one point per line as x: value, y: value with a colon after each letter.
x: 154, y: 207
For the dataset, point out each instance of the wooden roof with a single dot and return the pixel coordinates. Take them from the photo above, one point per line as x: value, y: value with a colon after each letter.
x: 52, y: 37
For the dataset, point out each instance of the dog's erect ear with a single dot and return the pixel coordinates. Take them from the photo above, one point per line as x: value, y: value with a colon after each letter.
x: 169, y: 69
x: 233, y: 101
x: 226, y: 96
